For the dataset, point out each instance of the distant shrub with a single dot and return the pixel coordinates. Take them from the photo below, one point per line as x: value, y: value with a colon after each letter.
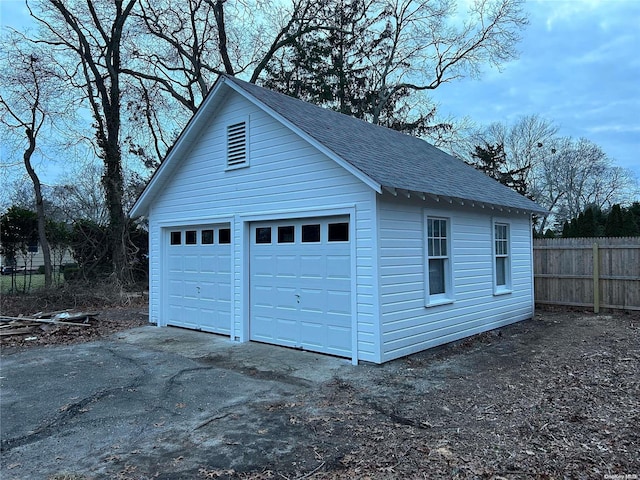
x: 71, y: 272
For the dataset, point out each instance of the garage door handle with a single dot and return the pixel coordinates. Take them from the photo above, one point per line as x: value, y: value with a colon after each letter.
x: 298, y: 298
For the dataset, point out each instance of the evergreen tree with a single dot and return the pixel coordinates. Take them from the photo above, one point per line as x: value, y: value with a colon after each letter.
x: 337, y: 66
x: 635, y: 211
x: 629, y: 226
x: 615, y: 222
x: 492, y: 160
x: 587, y: 226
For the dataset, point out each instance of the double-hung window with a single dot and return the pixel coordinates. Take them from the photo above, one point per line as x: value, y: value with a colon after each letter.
x: 438, y: 277
x: 502, y: 264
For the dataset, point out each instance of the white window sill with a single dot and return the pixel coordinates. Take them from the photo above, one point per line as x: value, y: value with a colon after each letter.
x: 436, y: 303
x: 502, y: 291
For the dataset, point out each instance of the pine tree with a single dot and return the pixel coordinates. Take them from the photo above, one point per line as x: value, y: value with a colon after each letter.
x: 588, y: 227
x: 629, y: 226
x: 492, y: 160
x: 614, y: 226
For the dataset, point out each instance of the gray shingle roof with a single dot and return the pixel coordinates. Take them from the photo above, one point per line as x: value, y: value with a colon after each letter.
x: 390, y: 158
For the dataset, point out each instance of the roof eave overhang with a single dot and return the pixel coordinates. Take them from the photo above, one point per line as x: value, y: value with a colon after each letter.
x: 450, y: 200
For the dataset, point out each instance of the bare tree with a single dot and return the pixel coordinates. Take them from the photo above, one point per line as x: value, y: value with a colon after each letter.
x: 179, y: 47
x: 188, y: 43
x: 89, y: 37
x: 30, y: 101
x: 562, y: 174
x: 384, y: 56
x: 586, y: 176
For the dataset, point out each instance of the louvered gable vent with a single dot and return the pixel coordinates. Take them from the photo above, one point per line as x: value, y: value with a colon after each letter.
x: 237, y: 144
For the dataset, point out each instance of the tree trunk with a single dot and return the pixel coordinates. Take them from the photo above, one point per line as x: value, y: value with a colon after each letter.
x: 118, y: 224
x: 42, y: 221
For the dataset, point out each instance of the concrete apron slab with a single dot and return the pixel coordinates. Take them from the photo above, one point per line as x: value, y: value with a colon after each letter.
x: 218, y: 349
x: 151, y: 396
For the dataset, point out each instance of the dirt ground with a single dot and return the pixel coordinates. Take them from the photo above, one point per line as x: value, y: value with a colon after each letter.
x: 554, y: 397
x: 112, y: 316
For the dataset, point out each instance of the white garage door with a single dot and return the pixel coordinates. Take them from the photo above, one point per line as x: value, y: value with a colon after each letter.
x: 300, y: 284
x: 199, y: 278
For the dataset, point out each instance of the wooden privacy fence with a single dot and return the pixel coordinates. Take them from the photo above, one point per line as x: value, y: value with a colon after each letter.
x: 588, y: 272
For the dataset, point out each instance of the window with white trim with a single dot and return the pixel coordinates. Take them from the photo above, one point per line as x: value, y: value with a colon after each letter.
x: 237, y: 152
x: 438, y: 277
x: 502, y: 263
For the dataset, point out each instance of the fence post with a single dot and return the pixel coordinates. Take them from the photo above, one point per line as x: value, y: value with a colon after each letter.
x: 596, y: 278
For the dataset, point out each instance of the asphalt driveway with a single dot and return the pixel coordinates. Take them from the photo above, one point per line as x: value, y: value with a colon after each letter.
x: 150, y: 395
x: 555, y: 396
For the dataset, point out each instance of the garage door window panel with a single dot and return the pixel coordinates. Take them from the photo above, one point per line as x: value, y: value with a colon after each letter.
x: 263, y: 235
x: 176, y: 238
x: 191, y: 237
x: 224, y: 236
x: 286, y: 234
x: 339, y: 232
x: 206, y: 237
x: 311, y: 233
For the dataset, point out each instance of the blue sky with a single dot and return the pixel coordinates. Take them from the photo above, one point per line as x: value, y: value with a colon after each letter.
x: 579, y: 67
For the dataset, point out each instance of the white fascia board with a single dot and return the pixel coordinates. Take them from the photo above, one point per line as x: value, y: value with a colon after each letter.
x: 182, y: 144
x: 298, y: 131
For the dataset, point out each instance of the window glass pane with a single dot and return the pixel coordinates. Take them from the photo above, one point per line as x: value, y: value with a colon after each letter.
x: 436, y: 248
x: 501, y: 274
x: 286, y: 234
x: 311, y: 233
x: 207, y: 237
x: 436, y: 276
x: 437, y: 237
x: 190, y: 237
x: 176, y: 238
x: 502, y: 239
x: 263, y: 235
x: 224, y: 236
x: 339, y: 232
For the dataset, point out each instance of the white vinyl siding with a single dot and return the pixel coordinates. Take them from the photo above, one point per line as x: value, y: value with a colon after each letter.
x: 287, y: 175
x: 407, y: 326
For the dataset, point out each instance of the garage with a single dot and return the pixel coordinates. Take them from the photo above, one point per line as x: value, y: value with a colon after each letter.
x: 300, y: 284
x: 199, y: 277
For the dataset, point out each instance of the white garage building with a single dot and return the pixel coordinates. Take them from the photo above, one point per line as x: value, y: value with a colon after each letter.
x: 277, y: 221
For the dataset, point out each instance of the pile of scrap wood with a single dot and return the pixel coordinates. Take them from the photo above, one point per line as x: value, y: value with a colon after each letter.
x: 24, y: 325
